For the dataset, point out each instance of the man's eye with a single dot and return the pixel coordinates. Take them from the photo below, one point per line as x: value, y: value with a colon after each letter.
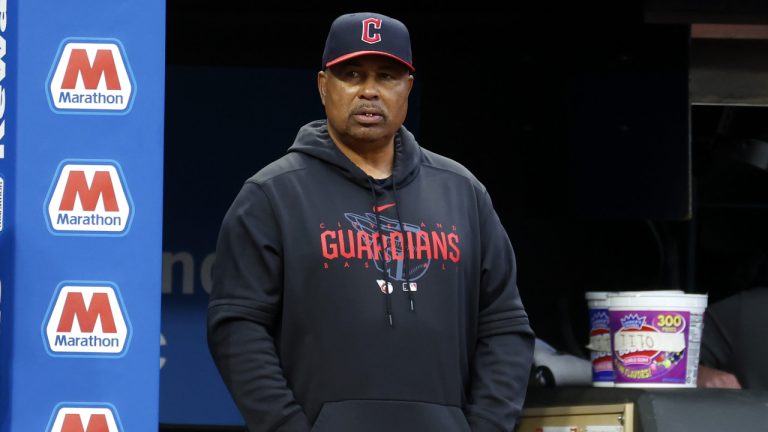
x: 353, y: 74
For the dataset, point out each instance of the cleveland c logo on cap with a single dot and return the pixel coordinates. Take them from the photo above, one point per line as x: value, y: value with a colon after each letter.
x: 368, y: 26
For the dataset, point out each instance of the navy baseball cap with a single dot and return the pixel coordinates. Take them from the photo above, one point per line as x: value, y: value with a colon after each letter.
x: 359, y: 34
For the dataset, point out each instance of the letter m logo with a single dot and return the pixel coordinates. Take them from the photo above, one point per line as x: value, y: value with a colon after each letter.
x: 101, y: 188
x: 75, y: 309
x: 86, y: 318
x: 80, y: 66
x: 91, y: 76
x: 77, y: 417
x: 74, y: 423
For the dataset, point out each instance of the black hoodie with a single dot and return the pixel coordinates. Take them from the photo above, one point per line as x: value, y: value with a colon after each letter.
x: 299, y: 323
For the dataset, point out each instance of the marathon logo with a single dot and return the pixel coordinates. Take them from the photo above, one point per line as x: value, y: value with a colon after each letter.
x: 89, y: 198
x: 84, y: 418
x: 91, y: 76
x: 86, y: 319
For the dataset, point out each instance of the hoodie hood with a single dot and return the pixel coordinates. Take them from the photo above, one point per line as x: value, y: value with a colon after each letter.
x: 313, y: 140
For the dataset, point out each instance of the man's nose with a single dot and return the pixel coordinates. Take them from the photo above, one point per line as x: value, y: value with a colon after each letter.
x: 369, y: 89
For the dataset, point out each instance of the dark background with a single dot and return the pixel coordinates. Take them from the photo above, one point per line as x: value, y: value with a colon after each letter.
x: 576, y: 118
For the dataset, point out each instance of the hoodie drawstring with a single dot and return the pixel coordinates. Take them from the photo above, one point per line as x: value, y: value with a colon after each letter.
x: 385, y: 276
x: 404, y: 246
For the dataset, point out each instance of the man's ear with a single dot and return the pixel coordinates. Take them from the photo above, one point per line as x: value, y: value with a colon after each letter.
x: 321, y: 80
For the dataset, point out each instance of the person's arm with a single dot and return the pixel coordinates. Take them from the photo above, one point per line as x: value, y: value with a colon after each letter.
x: 716, y: 355
x: 245, y: 299
x: 715, y: 378
x: 504, y: 352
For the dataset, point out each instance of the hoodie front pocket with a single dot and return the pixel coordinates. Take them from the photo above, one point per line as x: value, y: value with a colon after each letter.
x: 389, y: 416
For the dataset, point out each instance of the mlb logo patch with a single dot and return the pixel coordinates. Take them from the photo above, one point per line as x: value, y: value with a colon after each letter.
x: 86, y: 319
x: 80, y: 417
x: 89, y: 198
x: 91, y: 76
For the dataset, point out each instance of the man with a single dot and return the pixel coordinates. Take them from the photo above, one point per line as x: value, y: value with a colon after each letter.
x: 363, y: 283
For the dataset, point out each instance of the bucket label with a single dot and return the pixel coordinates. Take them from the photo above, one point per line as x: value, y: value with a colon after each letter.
x: 600, y: 345
x: 650, y: 346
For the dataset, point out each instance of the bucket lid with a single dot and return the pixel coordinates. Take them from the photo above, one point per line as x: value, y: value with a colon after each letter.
x: 645, y: 292
x: 596, y: 295
x: 658, y: 301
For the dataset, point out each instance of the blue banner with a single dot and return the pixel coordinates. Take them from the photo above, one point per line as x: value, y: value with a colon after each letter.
x: 81, y: 195
x: 8, y: 118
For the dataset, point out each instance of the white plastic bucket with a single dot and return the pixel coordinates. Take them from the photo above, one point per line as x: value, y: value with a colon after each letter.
x: 600, y: 352
x: 656, y: 337
x: 599, y: 338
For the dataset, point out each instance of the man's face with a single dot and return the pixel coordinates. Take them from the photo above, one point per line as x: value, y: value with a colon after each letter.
x: 365, y: 98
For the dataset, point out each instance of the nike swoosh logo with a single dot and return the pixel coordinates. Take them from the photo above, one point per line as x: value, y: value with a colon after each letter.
x: 381, y: 208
